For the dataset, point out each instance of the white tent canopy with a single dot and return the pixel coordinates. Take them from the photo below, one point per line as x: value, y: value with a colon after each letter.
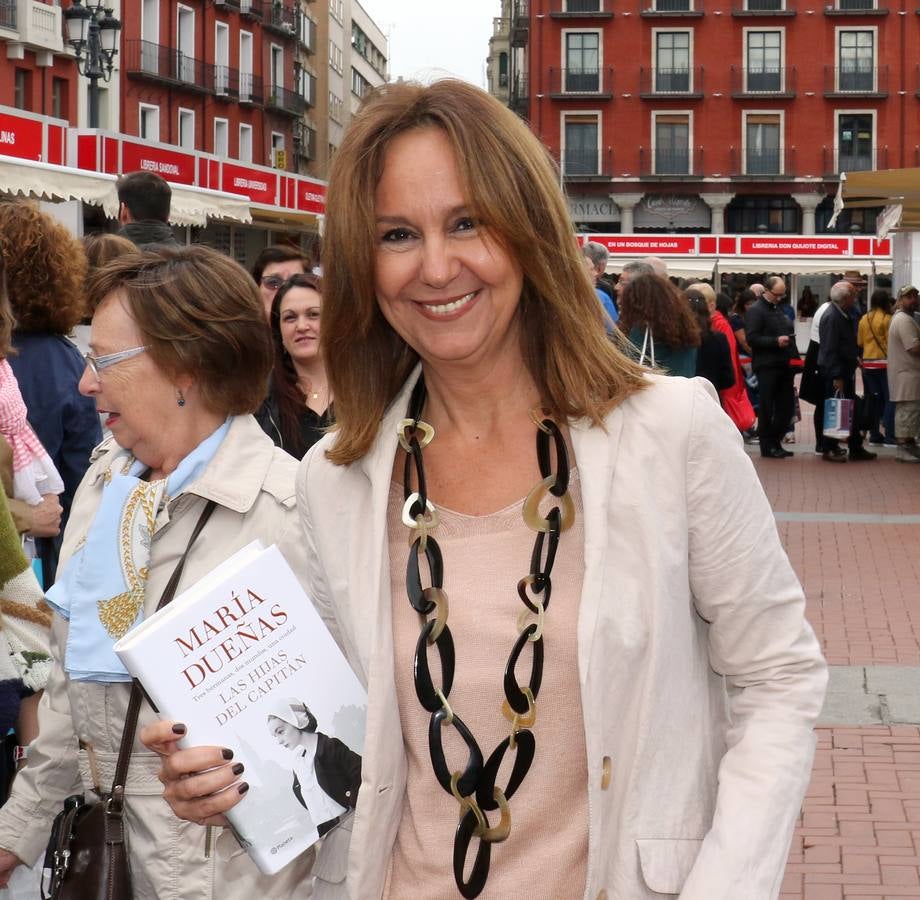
x: 42, y: 181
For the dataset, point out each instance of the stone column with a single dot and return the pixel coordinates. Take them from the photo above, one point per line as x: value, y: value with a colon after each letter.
x: 717, y: 204
x: 626, y: 202
x: 809, y: 203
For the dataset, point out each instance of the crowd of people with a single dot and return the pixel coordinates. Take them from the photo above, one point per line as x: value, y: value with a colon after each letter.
x: 461, y: 383
x: 746, y: 347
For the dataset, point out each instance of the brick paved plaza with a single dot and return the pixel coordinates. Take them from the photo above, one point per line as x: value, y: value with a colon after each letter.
x: 853, y: 535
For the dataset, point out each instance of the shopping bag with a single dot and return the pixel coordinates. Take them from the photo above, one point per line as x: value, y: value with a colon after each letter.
x: 838, y: 418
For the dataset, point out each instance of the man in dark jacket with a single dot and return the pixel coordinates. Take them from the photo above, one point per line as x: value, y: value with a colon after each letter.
x: 771, y: 337
x: 838, y: 358
x: 144, y: 200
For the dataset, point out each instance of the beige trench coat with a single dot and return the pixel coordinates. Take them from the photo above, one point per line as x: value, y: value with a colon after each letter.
x: 253, y: 485
x: 700, y: 679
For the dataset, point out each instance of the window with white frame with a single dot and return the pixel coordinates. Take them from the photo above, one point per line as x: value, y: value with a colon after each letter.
x: 150, y: 36
x: 187, y: 128
x: 335, y: 57
x: 763, y: 142
x: 672, y: 143
x: 148, y: 122
x: 855, y: 4
x: 359, y: 84
x: 335, y: 107
x: 185, y: 43
x: 855, y: 141
x: 764, y: 5
x: 221, y: 138
x: 673, y: 5
x: 764, y: 62
x: 582, y: 6
x: 276, y: 69
x: 277, y: 150
x: 581, y: 136
x: 221, y: 58
x: 245, y: 153
x: 246, y: 82
x: 856, y: 60
x: 672, y: 62
x: 337, y: 9
x: 582, y: 61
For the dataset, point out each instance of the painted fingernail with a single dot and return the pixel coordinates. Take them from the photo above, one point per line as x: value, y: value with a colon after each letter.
x: 243, y: 788
x: 179, y: 728
x: 237, y: 769
x: 226, y: 753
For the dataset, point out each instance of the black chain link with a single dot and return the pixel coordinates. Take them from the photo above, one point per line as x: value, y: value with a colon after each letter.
x: 474, y: 787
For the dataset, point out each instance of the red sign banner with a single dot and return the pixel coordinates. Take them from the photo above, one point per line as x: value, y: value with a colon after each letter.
x: 173, y: 165
x: 311, y: 197
x: 21, y: 137
x: 795, y: 246
x: 258, y: 185
x: 647, y: 245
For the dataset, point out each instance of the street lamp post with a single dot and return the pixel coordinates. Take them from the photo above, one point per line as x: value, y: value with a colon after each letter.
x: 93, y: 31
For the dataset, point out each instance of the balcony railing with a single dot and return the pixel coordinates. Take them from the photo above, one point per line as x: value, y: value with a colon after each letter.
x: 519, y: 100
x: 772, y: 80
x: 856, y: 79
x: 679, y: 163
x: 763, y: 8
x: 304, y: 141
x: 251, y: 88
x: 856, y: 8
x: 8, y: 14
x: 251, y: 8
x: 671, y: 7
x: 581, y: 9
x: 279, y: 18
x: 855, y: 162
x: 167, y: 65
x: 684, y: 82
x: 285, y: 101
x: 587, y: 164
x: 520, y: 22
x: 581, y: 82
x: 759, y: 163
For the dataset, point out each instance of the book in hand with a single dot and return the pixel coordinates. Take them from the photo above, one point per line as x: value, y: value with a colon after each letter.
x: 244, y: 660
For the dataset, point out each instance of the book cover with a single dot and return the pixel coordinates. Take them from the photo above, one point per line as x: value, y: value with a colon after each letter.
x: 244, y: 660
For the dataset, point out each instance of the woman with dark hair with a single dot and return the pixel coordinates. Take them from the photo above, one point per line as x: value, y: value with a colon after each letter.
x: 275, y: 265
x: 45, y: 279
x: 298, y: 408
x: 327, y: 774
x: 872, y: 338
x: 657, y: 321
x: 713, y: 358
x: 736, y: 319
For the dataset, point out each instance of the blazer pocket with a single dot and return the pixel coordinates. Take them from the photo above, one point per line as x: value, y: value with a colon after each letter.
x: 332, y: 857
x: 666, y: 863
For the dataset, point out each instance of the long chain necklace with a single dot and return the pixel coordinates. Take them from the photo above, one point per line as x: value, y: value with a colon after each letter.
x: 474, y: 786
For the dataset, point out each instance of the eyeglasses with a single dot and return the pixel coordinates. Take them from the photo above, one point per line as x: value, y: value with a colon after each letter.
x: 272, y: 282
x: 98, y: 363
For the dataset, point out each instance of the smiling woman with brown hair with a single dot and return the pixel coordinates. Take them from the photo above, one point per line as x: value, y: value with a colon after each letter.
x: 618, y: 697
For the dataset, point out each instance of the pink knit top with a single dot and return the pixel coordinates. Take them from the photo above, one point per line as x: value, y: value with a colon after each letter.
x: 545, y: 858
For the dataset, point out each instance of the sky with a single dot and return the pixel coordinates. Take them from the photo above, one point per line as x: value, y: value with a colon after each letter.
x: 435, y: 38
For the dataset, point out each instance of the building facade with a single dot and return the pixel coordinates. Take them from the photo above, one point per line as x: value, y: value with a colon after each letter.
x: 715, y: 115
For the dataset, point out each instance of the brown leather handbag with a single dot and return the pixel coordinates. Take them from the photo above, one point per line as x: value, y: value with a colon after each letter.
x: 87, y: 856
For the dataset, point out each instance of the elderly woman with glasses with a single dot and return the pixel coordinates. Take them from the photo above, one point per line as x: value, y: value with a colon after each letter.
x: 179, y: 356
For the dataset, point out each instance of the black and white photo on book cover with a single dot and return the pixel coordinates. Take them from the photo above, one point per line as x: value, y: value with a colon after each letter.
x: 243, y: 658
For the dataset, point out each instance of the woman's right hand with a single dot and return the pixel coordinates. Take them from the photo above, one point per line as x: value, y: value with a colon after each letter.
x: 8, y: 862
x: 46, y: 517
x: 201, y: 783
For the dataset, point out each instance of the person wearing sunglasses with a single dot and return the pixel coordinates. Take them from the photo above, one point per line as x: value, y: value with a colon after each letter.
x: 275, y: 265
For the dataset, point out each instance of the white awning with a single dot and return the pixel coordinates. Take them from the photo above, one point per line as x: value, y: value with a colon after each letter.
x: 42, y: 181
x: 786, y: 266
x: 194, y: 206
x: 692, y: 267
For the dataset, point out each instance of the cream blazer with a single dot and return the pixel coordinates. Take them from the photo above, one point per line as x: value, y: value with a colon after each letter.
x: 700, y: 678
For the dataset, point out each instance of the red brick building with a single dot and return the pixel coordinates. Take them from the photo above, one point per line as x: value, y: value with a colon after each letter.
x: 717, y: 115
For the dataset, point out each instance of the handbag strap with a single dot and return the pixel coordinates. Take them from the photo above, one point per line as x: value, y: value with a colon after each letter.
x: 116, y: 796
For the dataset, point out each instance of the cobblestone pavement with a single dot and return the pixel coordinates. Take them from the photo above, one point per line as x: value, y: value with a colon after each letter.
x: 852, y: 533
